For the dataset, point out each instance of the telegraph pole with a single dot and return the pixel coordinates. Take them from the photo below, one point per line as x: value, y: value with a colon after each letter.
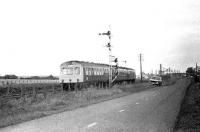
x: 108, y: 33
x: 160, y: 69
x: 141, y: 67
x: 196, y: 67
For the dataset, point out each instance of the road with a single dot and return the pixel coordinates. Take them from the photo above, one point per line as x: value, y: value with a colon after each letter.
x: 154, y: 110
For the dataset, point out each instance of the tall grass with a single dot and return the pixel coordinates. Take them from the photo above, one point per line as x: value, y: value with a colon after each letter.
x: 19, y: 110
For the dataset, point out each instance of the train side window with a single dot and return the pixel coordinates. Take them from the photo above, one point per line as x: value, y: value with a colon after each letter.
x: 101, y: 71
x: 95, y: 72
x: 86, y: 71
x: 89, y: 71
x: 92, y: 71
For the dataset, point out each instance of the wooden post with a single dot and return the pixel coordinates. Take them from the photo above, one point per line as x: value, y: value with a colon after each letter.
x: 69, y: 88
x: 75, y: 87
x: 54, y: 88
x: 62, y: 87
x: 21, y: 94
x: 34, y: 92
x: 69, y: 84
x: 7, y: 90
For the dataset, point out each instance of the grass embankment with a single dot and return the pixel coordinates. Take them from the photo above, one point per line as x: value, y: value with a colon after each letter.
x: 20, y: 110
x: 189, y: 116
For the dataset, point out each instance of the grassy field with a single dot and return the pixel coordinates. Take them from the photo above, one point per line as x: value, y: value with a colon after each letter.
x: 24, y: 109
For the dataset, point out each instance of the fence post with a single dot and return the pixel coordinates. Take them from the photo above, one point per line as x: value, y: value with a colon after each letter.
x: 21, y: 91
x: 76, y: 85
x: 69, y: 84
x: 8, y: 90
x: 45, y: 90
x: 23, y: 88
x: 34, y: 92
x: 62, y: 87
x: 54, y: 88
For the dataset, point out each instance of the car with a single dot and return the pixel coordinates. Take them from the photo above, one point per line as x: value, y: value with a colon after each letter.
x: 156, y: 80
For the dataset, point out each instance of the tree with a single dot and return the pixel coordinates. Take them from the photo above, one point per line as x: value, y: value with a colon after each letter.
x: 190, y: 71
x: 10, y: 77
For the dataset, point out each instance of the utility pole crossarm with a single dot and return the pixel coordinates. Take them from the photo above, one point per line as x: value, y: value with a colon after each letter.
x: 108, y: 33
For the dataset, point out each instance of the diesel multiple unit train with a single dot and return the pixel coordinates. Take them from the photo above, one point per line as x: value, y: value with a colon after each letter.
x: 88, y: 73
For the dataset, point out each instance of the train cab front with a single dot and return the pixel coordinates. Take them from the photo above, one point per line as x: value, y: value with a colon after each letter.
x: 70, y: 75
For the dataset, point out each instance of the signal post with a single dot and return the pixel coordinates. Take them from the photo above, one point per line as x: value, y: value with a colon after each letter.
x: 110, y: 53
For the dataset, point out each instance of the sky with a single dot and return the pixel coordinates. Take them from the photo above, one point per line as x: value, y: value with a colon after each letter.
x: 37, y: 36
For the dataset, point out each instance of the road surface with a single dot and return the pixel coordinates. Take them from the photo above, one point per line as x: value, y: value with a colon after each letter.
x: 154, y: 110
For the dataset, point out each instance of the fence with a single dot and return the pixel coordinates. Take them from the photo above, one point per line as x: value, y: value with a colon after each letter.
x: 22, y: 88
x: 25, y: 81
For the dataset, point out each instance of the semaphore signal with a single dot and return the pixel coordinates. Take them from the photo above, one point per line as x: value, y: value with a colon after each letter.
x: 108, y: 33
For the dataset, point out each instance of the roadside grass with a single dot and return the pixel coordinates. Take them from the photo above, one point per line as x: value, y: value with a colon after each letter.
x: 189, y: 116
x: 20, y: 110
x: 137, y: 87
x: 28, y: 108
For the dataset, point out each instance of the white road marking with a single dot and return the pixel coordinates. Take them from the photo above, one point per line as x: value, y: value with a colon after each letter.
x: 121, y: 110
x: 92, y: 124
x: 137, y: 103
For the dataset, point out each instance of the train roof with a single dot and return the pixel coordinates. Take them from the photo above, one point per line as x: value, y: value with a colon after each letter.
x: 84, y: 63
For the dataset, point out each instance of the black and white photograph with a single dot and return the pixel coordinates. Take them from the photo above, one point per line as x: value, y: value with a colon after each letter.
x: 99, y: 66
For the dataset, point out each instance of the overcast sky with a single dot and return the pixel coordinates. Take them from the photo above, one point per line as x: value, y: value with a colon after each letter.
x: 37, y: 36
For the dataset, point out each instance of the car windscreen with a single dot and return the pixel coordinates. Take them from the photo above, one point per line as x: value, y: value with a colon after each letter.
x: 156, y: 78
